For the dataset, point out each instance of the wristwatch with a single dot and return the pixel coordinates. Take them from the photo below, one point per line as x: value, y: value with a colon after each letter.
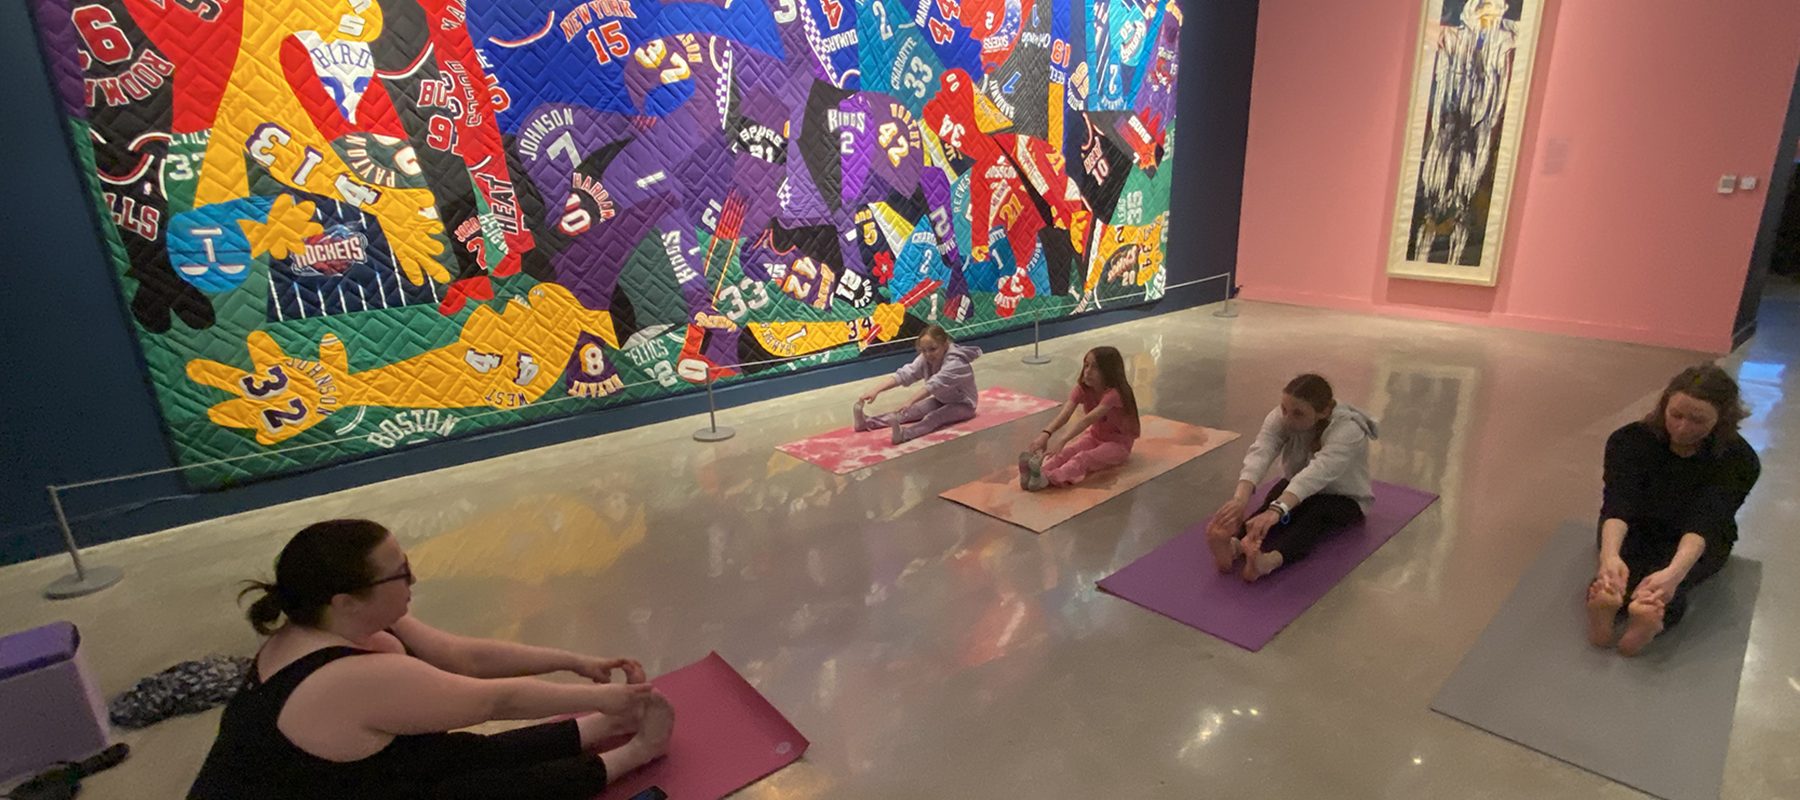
x: 1281, y: 508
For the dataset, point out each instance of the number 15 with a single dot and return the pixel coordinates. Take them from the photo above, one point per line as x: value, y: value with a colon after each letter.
x: 614, y: 45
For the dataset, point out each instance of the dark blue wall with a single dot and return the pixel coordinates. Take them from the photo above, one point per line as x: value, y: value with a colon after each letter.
x: 75, y: 405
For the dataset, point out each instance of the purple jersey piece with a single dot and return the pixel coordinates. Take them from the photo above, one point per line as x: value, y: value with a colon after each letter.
x: 60, y: 48
x: 589, y: 372
x: 899, y: 153
x: 1156, y: 97
x: 850, y: 124
x: 938, y: 199
x: 590, y: 266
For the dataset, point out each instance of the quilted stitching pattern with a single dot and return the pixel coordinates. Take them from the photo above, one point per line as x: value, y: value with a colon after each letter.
x: 346, y: 226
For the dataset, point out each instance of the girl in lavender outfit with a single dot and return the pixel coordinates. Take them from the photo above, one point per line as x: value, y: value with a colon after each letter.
x: 948, y: 396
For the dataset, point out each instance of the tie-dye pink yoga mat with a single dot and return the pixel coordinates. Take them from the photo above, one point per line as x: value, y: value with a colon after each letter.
x: 1164, y: 445
x: 845, y: 450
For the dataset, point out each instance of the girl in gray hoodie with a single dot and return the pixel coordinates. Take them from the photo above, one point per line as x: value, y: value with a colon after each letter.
x: 1323, y: 447
x: 948, y: 396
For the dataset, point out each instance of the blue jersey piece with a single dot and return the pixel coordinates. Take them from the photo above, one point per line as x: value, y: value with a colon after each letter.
x: 580, y: 52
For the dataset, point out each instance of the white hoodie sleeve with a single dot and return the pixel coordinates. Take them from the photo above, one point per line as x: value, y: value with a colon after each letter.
x: 1265, y: 449
x: 1345, y: 445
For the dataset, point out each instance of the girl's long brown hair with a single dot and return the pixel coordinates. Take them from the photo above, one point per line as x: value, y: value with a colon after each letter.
x: 1112, y: 372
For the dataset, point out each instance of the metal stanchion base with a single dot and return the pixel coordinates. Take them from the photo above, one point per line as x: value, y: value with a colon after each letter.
x: 1227, y: 311
x: 713, y: 434
x: 76, y: 585
x: 1036, y: 360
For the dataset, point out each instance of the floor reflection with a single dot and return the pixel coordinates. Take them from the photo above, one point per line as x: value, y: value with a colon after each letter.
x: 930, y: 651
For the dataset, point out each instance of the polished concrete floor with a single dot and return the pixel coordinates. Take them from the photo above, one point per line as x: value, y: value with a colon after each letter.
x: 929, y: 651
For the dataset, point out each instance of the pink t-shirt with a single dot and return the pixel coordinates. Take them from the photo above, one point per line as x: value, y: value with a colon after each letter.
x: 1116, y: 425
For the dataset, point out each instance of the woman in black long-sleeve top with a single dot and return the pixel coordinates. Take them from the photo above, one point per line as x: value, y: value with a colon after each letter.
x: 1674, y: 483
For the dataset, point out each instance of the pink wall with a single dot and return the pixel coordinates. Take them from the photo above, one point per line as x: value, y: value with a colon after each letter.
x: 1616, y: 231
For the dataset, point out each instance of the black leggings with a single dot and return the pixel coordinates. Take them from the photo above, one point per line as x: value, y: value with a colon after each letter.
x: 1316, y: 517
x: 539, y: 761
x: 1649, y: 547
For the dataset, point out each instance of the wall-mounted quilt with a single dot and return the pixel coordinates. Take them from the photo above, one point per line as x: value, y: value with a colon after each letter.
x: 346, y: 226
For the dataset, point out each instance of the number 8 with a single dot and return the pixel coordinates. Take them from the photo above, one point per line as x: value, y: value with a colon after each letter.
x: 593, y: 360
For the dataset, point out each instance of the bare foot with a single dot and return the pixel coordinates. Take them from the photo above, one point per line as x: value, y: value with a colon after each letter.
x: 1224, y: 550
x: 1025, y: 470
x: 598, y: 729
x: 858, y: 422
x: 657, y: 725
x: 1602, y: 612
x: 894, y: 434
x: 1643, y: 624
x: 1259, y: 564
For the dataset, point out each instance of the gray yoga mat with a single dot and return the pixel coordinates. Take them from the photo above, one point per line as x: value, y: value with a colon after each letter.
x: 1659, y: 723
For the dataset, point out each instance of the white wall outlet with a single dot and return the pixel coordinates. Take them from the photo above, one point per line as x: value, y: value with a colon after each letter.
x: 1747, y: 183
x: 1727, y: 184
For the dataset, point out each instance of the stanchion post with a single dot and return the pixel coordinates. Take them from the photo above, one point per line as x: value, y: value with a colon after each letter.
x: 712, y: 432
x: 1036, y: 358
x: 85, y: 580
x: 1228, y: 311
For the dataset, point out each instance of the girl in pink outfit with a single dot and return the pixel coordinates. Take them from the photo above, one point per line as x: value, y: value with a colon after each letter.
x: 1100, y: 439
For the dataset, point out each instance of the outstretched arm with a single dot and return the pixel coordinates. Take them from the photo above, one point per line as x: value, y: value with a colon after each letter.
x: 1262, y: 454
x: 917, y: 398
x: 398, y: 695
x: 1659, y: 587
x: 492, y: 658
x: 886, y: 383
x: 1708, y: 525
x: 1041, y: 442
x: 1344, y: 444
x: 1060, y: 441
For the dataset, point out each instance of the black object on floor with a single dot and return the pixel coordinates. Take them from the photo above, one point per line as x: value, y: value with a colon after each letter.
x: 186, y: 688
x: 63, y: 782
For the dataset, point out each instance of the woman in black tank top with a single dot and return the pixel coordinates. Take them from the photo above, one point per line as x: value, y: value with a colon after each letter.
x: 350, y: 697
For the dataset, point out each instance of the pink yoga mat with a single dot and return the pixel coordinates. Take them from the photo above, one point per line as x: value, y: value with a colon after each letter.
x: 1164, y: 445
x: 727, y: 736
x: 1179, y: 580
x: 845, y: 450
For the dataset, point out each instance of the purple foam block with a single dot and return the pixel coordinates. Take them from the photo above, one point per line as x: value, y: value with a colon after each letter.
x: 1178, y: 580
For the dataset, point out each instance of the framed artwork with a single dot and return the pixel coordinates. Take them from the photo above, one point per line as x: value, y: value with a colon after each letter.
x: 1471, y: 81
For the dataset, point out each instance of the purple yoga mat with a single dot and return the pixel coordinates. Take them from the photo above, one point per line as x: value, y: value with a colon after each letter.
x: 1178, y: 580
